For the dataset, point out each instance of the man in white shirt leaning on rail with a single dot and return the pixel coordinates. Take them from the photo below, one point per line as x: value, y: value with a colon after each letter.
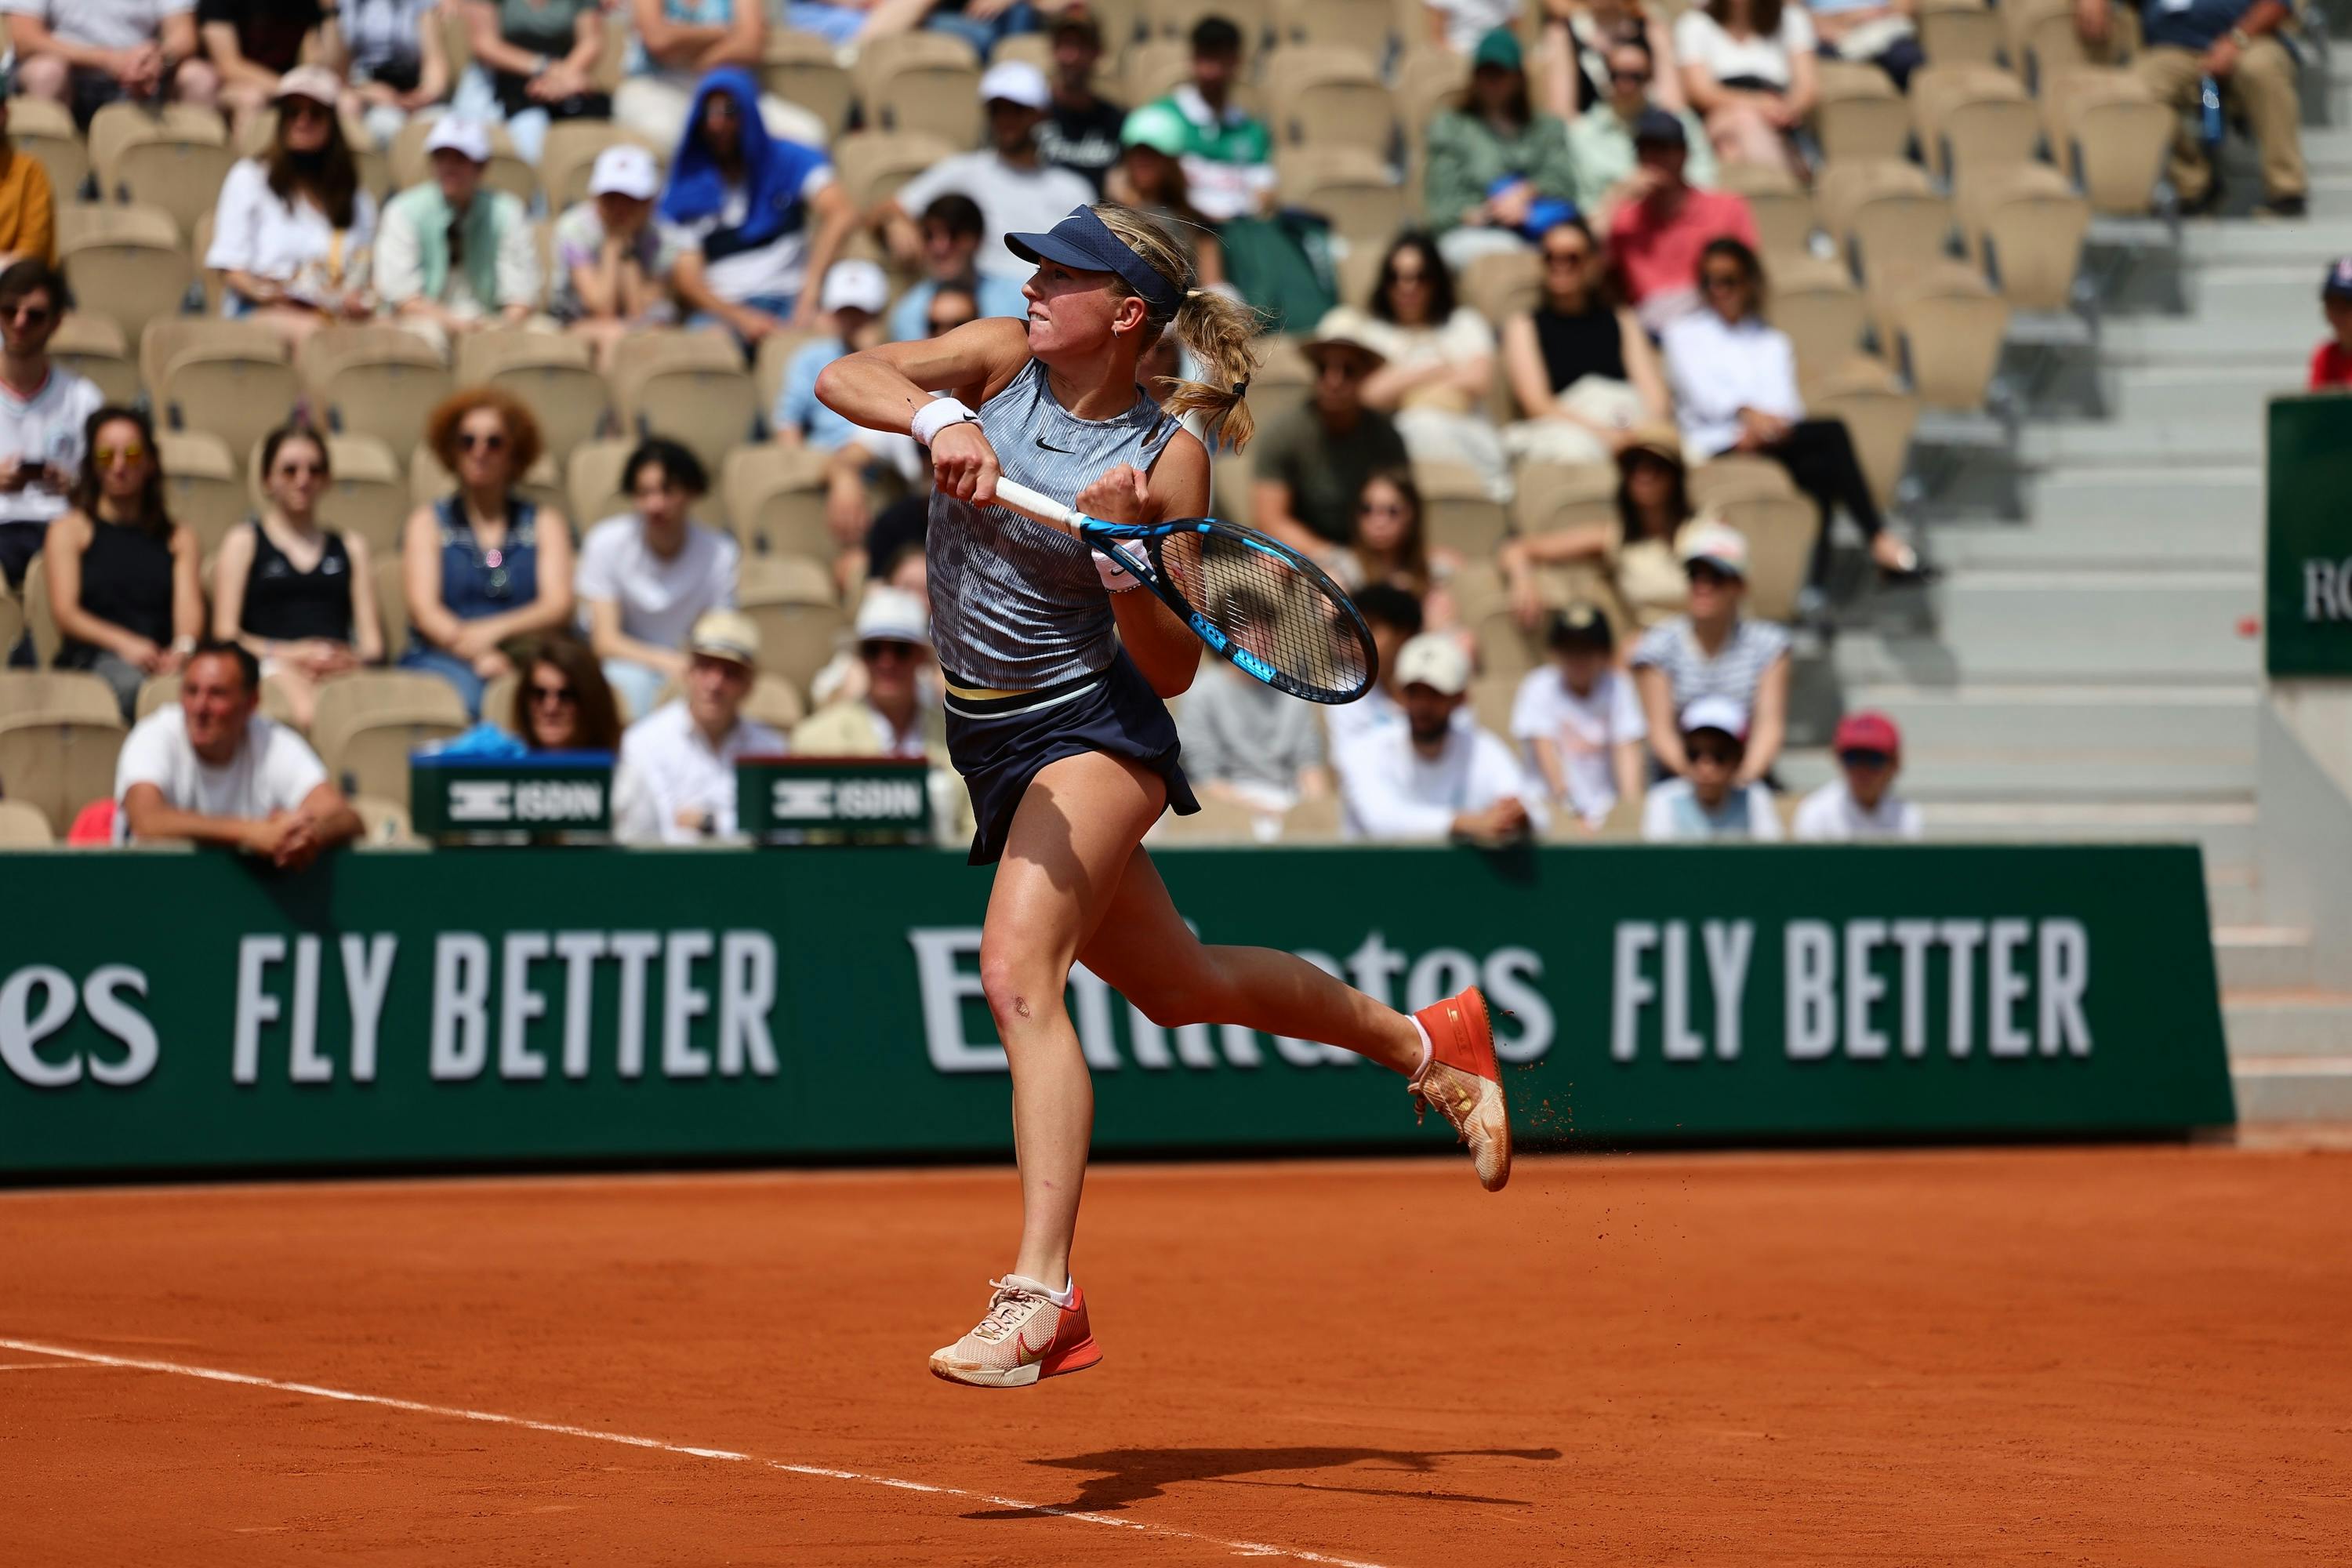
x: 1436, y: 779
x: 212, y: 769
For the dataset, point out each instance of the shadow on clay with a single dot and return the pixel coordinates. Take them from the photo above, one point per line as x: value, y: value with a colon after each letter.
x: 1132, y: 1475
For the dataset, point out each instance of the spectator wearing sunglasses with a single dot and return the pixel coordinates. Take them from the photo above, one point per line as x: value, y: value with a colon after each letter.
x: 898, y: 713
x: 1713, y: 650
x: 1601, y: 140
x: 1861, y: 804
x: 1581, y: 366
x: 562, y: 703
x: 485, y: 565
x: 1574, y: 56
x: 455, y: 256
x: 1312, y: 459
x: 291, y: 230
x: 124, y: 581
x: 646, y: 577
x: 1712, y: 799
x: 45, y: 411
x: 296, y: 594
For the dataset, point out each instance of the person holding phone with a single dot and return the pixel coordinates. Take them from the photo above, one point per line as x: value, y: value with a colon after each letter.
x: 44, y: 409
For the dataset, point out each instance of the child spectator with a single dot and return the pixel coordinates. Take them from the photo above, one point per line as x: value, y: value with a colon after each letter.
x: 44, y: 412
x: 1715, y: 651
x: 123, y: 577
x: 455, y: 256
x: 952, y: 230
x: 647, y: 577
x: 1580, y: 721
x: 292, y: 231
x: 1710, y: 801
x: 1009, y: 180
x: 1860, y: 804
x: 1436, y: 779
x: 2331, y: 363
x: 675, y: 781
x: 612, y: 261
x: 211, y: 769
x: 562, y: 703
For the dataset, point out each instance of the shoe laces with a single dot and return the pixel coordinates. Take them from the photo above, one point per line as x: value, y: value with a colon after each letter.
x: 1008, y: 1310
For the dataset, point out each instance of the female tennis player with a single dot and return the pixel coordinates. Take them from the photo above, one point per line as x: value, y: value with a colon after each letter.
x: 1055, y: 680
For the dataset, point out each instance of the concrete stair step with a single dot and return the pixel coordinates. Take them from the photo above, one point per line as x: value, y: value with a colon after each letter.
x: 2062, y: 627
x: 2226, y: 493
x: 2230, y: 396
x: 2194, y: 718
x: 2233, y: 895
x: 2288, y: 1023
x: 2227, y: 438
x: 2194, y: 544
x: 2310, y: 245
x: 2282, y: 341
x: 2268, y: 957
x: 2283, y: 297
x: 2293, y: 1088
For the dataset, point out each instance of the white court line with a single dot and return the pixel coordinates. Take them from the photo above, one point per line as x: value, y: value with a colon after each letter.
x: 42, y: 1366
x: 213, y: 1374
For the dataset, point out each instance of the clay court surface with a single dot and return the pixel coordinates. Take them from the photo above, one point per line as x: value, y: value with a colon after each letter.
x: 2054, y: 1356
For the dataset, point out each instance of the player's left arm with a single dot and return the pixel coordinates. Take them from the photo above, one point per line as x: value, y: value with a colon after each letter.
x: 1162, y: 646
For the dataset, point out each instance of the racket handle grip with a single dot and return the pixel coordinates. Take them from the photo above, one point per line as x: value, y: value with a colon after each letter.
x: 1020, y: 497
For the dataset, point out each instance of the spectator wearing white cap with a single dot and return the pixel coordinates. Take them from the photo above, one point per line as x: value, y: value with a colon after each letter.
x: 1436, y: 779
x: 453, y: 254
x: 1581, y: 719
x: 1711, y: 799
x: 612, y: 261
x: 674, y: 44
x: 1713, y: 650
x: 853, y: 297
x: 1860, y: 804
x: 292, y: 230
x: 1017, y: 190
x: 647, y: 575
x: 898, y: 711
x: 676, y: 780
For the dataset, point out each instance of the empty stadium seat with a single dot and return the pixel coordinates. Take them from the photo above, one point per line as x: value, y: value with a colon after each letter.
x: 873, y: 164
x: 710, y: 409
x: 1456, y: 511
x: 1888, y: 225
x: 1859, y: 114
x: 1501, y: 286
x: 23, y: 826
x: 1972, y: 117
x: 175, y: 173
x: 800, y: 68
x: 129, y: 278
x: 60, y: 693
x: 1960, y: 32
x: 591, y: 479
x: 1330, y: 94
x: 371, y: 391
x: 59, y: 761
x: 1817, y: 304
x: 1780, y: 531
x: 1783, y: 209
x: 2114, y: 138
x: 775, y: 500
x: 1879, y: 416
x: 94, y: 345
x: 800, y: 624
x: 773, y: 359
x: 929, y: 85
x: 1152, y: 69
x: 1737, y: 476
x: 1947, y: 324
x: 203, y: 484
x: 1552, y: 496
x: 1367, y: 27
x: 228, y: 390
x: 2025, y: 227
x: 1348, y: 185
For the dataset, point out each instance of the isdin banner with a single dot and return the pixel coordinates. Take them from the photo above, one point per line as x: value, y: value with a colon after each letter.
x: 180, y: 1013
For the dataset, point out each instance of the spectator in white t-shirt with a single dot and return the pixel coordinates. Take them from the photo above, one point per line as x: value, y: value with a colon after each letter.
x: 1017, y: 190
x: 1436, y: 779
x: 1580, y: 719
x: 676, y: 781
x: 292, y: 230
x: 1861, y: 804
x: 1748, y: 68
x: 1710, y: 800
x: 212, y: 770
x: 646, y: 577
x: 44, y: 411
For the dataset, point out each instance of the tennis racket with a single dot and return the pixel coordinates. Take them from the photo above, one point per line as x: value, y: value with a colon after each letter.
x: 1257, y: 603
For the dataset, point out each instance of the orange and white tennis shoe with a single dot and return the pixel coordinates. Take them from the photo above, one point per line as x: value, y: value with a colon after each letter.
x: 1461, y: 1079
x: 1023, y: 1338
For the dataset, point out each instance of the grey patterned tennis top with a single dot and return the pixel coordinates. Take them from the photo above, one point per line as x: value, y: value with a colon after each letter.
x: 1016, y: 605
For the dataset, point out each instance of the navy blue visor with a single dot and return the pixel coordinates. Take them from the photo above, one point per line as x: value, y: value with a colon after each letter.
x: 1084, y: 243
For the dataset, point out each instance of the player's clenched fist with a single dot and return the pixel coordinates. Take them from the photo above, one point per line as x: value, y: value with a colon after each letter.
x: 963, y: 464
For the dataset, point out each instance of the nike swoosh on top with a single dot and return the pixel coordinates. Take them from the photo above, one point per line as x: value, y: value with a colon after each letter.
x: 1022, y: 1340
x: 1051, y: 448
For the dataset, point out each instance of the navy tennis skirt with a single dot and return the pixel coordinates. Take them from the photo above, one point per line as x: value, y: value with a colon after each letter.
x: 999, y: 743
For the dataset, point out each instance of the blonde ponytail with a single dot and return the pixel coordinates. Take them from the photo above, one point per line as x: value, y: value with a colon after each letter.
x: 1219, y: 332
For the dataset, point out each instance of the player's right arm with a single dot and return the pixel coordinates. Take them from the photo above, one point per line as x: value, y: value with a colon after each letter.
x: 884, y: 387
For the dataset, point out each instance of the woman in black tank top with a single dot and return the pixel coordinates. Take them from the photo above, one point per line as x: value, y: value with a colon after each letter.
x: 1581, y: 369
x: 1073, y: 776
x: 300, y: 595
x: 123, y: 576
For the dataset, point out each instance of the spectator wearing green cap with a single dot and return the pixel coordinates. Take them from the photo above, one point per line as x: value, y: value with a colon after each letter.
x: 1151, y: 178
x: 1499, y: 173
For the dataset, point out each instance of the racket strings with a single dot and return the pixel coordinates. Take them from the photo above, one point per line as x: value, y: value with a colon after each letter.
x: 1264, y: 604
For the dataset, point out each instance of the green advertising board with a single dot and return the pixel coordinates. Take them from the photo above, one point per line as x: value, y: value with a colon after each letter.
x: 2307, y: 558
x: 790, y: 799
x: 546, y: 795
x: 551, y: 1006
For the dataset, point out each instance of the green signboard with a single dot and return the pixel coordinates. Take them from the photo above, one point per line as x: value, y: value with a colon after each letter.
x: 871, y: 799
x: 545, y: 1006
x: 482, y: 798
x: 2307, y: 562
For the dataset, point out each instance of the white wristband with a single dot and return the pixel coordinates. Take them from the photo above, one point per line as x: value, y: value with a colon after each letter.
x: 938, y: 414
x: 1118, y: 569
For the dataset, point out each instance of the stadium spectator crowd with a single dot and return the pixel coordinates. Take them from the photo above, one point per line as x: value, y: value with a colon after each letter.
x: 451, y: 227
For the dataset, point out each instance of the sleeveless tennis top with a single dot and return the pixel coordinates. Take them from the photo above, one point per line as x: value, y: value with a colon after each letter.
x: 1016, y: 605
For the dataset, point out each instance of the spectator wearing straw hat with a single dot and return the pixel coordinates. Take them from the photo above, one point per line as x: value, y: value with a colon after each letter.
x: 1711, y: 801
x: 2331, y: 363
x: 676, y: 781
x: 1713, y: 650
x: 1580, y: 719
x: 1435, y: 778
x: 612, y: 260
x: 1015, y: 188
x: 1312, y: 459
x: 1861, y: 802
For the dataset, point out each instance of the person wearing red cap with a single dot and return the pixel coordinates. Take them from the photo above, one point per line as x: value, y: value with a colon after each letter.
x: 1861, y: 802
x: 2331, y: 363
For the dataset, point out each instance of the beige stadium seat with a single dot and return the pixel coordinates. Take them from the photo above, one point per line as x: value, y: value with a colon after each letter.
x: 1328, y: 94
x: 367, y: 723
x: 708, y: 410
x: 1817, y: 304
x: 165, y: 340
x: 1553, y: 495
x: 368, y: 392
x: 1960, y: 32
x: 543, y: 485
x: 1948, y: 324
x: 774, y: 358
x: 229, y: 391
x: 1780, y: 531
x: 1972, y: 117
x: 554, y: 374
x: 161, y: 690
x: 2115, y: 139
x: 78, y: 222
x: 775, y: 501
x: 131, y: 280
x: 1507, y: 650
x: 1282, y: 362
x: 64, y: 158
x: 571, y: 153
x: 873, y: 164
x: 1492, y: 695
x: 1737, y: 476
x: 182, y: 177
x: 1175, y: 18
x: 23, y: 826
x: 40, y: 622
x: 122, y: 125
x: 1153, y: 67
x: 58, y: 762
x: 2025, y: 227
x: 203, y: 484
x: 801, y: 625
x: 1458, y: 511
x: 11, y: 620
x: 1368, y: 26
x: 1879, y: 416
x: 800, y: 68
x: 1897, y: 228
x: 367, y: 496
x: 1348, y: 185
x: 591, y: 479
x: 1783, y: 209
x: 94, y: 345
x: 392, y: 604
x: 929, y: 95
x: 877, y: 59
x: 498, y: 698
x: 329, y: 347
x: 59, y: 693
x: 640, y: 353
x: 1501, y: 286
x: 1859, y: 114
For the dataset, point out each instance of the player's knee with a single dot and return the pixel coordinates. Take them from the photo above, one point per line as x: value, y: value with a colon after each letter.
x: 1016, y: 986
